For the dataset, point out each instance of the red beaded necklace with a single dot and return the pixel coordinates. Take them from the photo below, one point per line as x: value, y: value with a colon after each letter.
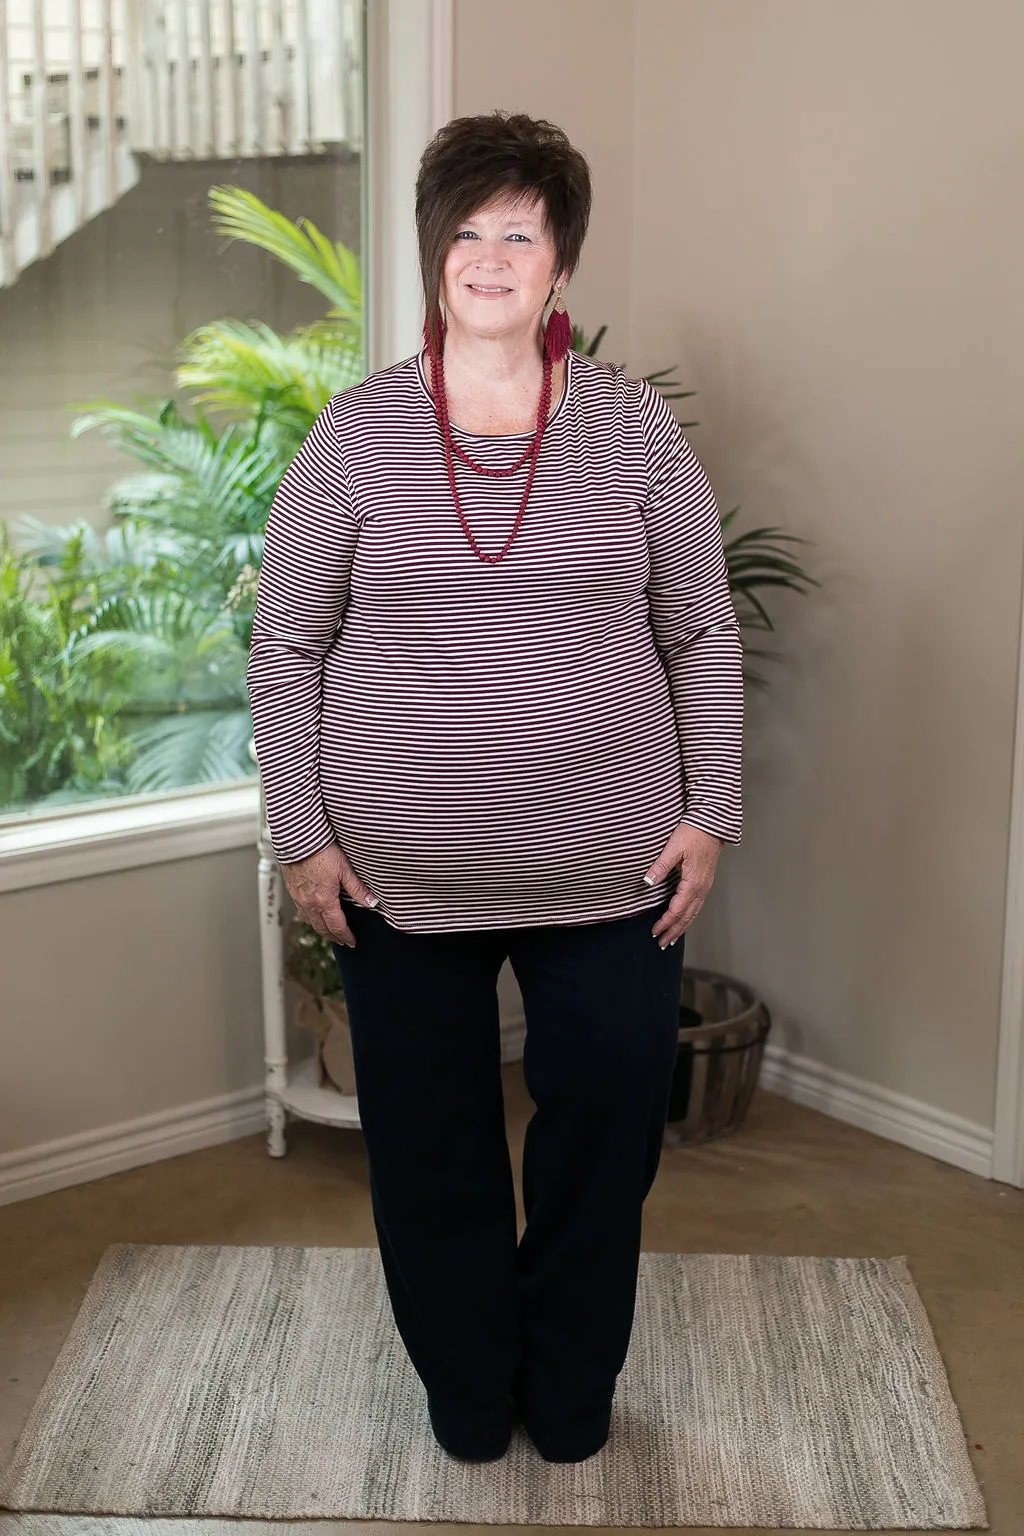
x: 451, y: 447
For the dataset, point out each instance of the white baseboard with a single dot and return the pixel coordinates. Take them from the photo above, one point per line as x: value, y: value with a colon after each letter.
x: 111, y: 1149
x: 893, y: 1116
x: 170, y: 1133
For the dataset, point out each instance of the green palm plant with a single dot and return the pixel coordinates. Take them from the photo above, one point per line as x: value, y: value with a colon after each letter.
x: 326, y: 265
x: 209, y: 495
x: 161, y: 616
x: 53, y: 744
x: 282, y: 382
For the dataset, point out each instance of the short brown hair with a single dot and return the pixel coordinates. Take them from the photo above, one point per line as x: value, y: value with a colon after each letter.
x: 472, y: 159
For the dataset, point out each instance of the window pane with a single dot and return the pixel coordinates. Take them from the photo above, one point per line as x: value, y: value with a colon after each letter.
x: 169, y: 330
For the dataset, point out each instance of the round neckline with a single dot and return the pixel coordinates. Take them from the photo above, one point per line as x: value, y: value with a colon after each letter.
x: 498, y: 437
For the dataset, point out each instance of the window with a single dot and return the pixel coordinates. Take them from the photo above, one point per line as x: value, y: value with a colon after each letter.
x: 181, y: 290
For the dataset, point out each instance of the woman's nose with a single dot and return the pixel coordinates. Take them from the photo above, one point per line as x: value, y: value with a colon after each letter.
x: 492, y: 251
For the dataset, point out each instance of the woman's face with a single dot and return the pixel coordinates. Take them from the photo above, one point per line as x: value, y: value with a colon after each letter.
x: 504, y: 245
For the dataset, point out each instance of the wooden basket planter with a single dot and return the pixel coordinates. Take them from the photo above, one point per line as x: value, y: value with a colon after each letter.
x: 723, y: 1026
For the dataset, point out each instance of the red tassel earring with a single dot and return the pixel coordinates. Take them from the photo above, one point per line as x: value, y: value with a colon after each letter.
x: 558, y: 331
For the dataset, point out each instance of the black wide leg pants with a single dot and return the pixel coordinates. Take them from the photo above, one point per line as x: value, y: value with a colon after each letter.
x: 545, y: 1321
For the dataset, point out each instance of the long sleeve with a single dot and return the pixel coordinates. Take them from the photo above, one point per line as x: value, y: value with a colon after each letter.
x: 303, y: 590
x: 694, y: 621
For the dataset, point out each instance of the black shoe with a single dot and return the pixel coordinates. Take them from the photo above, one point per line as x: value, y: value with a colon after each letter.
x: 551, y: 1448
x: 566, y: 1444
x: 465, y: 1450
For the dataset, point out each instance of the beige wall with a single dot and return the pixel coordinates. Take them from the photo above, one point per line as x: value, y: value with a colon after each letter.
x: 129, y: 993
x: 814, y: 207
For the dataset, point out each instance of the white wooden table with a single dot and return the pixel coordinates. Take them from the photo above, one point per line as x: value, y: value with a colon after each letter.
x: 290, y: 1088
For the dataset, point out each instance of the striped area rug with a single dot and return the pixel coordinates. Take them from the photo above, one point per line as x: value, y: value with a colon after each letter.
x: 270, y: 1383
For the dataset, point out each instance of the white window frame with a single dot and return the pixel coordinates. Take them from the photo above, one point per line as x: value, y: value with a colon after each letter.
x: 408, y: 96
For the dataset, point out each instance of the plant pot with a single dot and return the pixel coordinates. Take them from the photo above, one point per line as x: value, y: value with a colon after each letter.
x: 327, y: 1017
x: 723, y: 1026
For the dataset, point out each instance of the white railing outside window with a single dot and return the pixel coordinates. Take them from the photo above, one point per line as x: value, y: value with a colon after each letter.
x: 87, y: 86
x: 229, y: 78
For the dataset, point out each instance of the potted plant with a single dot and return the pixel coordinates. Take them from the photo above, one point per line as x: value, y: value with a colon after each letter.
x: 309, y: 962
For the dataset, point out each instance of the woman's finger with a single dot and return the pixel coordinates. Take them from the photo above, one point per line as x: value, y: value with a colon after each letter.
x: 358, y: 890
x: 695, y: 853
x: 680, y: 913
x: 681, y: 899
x: 676, y: 933
x: 332, y: 915
x: 327, y: 923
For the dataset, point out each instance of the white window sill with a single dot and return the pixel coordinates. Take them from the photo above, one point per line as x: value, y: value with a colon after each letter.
x: 126, y: 834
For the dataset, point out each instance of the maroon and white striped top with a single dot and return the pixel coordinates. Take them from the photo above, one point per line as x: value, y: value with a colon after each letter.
x: 497, y: 745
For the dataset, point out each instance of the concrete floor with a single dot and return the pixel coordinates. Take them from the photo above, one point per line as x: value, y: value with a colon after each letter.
x: 791, y: 1181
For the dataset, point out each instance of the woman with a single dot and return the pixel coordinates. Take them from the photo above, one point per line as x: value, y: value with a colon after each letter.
x: 496, y: 690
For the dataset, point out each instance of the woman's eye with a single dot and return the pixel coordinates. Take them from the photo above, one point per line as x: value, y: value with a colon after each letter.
x: 472, y: 233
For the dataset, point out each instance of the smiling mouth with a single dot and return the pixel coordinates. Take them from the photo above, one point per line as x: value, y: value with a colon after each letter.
x: 483, y: 288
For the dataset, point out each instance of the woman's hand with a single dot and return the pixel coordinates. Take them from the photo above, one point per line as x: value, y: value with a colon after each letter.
x: 314, y: 885
x: 696, y: 854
